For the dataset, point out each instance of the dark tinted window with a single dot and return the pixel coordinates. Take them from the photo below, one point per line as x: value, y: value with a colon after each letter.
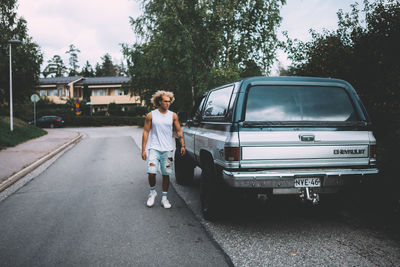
x: 298, y: 103
x: 218, y: 101
x: 196, y: 114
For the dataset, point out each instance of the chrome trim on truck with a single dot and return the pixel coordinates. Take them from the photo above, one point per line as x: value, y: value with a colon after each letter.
x: 285, y: 178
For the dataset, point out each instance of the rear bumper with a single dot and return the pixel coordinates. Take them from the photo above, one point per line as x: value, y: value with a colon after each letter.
x: 285, y: 178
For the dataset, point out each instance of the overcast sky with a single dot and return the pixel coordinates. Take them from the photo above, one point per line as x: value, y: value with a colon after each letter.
x: 97, y: 27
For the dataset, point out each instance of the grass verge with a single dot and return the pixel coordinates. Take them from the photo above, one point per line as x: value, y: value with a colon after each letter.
x: 22, y: 132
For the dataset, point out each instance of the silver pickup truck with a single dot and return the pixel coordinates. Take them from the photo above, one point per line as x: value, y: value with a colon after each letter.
x: 281, y: 135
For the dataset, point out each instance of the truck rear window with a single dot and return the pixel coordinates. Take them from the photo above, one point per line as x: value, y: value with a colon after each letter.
x: 299, y: 103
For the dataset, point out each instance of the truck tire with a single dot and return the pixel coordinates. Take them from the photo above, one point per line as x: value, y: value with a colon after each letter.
x: 184, y: 168
x: 211, y: 192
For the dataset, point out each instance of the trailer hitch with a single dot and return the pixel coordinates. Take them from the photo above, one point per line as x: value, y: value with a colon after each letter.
x: 307, y: 194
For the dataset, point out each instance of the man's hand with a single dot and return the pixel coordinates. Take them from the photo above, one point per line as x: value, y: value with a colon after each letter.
x: 144, y: 155
x: 179, y: 133
x: 183, y: 151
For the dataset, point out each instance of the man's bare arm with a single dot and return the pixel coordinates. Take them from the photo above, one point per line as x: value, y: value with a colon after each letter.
x: 179, y: 133
x: 145, y: 136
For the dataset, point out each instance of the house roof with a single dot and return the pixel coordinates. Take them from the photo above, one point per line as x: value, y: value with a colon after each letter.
x: 58, y: 80
x: 84, y: 81
x: 103, y: 80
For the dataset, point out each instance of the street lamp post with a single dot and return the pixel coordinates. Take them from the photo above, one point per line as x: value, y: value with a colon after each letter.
x: 11, y: 42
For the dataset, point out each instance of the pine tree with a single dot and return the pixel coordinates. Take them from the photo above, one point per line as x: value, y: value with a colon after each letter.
x: 73, y: 60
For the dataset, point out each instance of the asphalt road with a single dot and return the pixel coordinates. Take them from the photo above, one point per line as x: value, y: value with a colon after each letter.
x: 88, y: 208
x: 285, y: 232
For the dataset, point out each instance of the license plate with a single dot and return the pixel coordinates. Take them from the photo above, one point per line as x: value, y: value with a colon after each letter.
x: 307, y: 182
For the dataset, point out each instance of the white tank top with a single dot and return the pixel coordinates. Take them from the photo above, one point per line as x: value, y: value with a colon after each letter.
x: 161, y: 131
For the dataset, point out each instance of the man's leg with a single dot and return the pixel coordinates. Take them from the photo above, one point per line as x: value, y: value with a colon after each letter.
x: 153, y: 193
x: 151, y: 170
x: 152, y: 180
x: 165, y: 183
x: 166, y: 169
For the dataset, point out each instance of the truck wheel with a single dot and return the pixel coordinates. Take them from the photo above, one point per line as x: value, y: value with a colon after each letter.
x: 211, y: 192
x: 184, y: 168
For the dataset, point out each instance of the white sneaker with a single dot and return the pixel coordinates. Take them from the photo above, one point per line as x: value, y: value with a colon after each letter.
x: 165, y: 203
x: 150, y: 200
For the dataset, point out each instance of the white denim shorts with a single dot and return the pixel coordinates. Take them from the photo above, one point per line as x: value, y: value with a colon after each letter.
x: 160, y: 159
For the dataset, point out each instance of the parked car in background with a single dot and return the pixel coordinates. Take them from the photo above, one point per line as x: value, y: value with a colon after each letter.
x: 49, y: 122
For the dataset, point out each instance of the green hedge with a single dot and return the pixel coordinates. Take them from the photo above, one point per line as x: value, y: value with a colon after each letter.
x: 130, y: 117
x: 79, y: 121
x: 115, y: 110
x: 25, y: 111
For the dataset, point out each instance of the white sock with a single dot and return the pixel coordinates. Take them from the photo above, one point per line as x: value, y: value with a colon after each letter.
x: 164, y: 195
x: 153, y: 190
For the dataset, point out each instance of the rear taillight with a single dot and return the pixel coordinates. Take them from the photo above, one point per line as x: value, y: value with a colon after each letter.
x: 58, y: 120
x: 232, y: 153
x: 372, y: 151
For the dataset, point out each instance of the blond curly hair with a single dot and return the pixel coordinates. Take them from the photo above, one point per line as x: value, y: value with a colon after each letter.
x: 157, y: 97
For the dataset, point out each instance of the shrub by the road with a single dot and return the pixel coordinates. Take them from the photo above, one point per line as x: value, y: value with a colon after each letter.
x: 79, y: 121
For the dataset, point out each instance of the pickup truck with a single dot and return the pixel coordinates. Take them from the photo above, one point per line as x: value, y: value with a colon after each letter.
x: 281, y: 135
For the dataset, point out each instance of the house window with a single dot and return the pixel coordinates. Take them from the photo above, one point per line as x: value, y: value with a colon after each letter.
x: 42, y: 92
x: 99, y: 92
x: 119, y: 92
x: 55, y: 92
x: 49, y: 92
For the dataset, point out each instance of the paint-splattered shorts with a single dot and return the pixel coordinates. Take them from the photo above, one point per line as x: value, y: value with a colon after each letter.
x: 164, y: 159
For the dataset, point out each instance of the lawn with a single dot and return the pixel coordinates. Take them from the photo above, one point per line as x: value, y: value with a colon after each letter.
x: 22, y: 132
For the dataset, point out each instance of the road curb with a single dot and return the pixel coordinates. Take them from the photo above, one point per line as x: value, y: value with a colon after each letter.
x: 15, y: 177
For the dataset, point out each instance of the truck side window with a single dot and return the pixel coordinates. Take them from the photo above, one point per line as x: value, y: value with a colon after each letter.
x: 218, y: 102
x: 196, y: 114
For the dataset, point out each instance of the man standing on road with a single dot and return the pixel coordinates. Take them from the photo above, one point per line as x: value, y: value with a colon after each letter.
x: 158, y: 127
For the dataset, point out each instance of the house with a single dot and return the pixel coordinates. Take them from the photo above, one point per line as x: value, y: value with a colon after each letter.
x: 57, y: 89
x: 102, y: 90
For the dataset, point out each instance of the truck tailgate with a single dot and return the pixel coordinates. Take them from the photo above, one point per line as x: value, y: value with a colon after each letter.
x: 279, y: 149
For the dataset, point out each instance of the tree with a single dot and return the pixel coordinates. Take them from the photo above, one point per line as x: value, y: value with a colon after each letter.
x: 86, y: 93
x: 365, y: 54
x: 55, y: 66
x: 73, y: 60
x: 26, y: 56
x: 87, y: 70
x: 250, y: 69
x: 189, y: 46
x: 106, y: 68
x: 98, y: 72
x: 120, y: 69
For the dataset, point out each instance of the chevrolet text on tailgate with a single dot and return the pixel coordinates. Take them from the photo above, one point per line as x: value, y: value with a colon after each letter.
x: 281, y: 135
